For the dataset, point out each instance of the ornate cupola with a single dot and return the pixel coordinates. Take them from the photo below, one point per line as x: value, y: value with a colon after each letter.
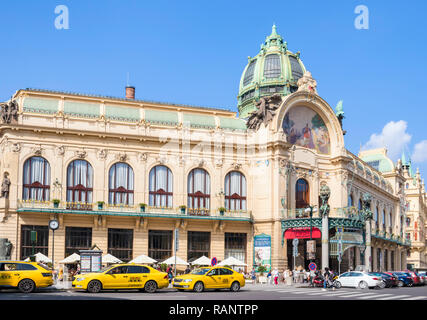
x: 274, y: 70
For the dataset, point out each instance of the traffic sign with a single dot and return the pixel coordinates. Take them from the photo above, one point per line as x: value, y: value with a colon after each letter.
x: 312, y: 266
x: 214, y: 261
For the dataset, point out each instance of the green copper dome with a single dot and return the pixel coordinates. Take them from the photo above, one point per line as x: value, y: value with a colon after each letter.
x: 274, y: 69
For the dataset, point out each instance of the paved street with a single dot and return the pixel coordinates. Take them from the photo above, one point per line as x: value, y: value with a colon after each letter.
x: 249, y: 292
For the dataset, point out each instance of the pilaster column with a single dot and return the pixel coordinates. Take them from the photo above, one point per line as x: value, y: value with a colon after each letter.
x: 325, y: 242
x: 368, y: 250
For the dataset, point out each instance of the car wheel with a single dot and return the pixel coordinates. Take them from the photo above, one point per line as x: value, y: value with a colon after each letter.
x: 94, y: 286
x: 199, y: 287
x: 338, y: 285
x: 382, y: 285
x: 400, y: 283
x: 26, y: 286
x: 235, y: 286
x: 363, y: 285
x: 150, y: 286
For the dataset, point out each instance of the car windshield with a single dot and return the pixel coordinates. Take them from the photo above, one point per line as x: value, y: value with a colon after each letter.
x: 199, y: 271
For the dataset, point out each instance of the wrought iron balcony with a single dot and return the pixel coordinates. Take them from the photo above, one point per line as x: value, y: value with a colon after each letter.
x: 130, y: 210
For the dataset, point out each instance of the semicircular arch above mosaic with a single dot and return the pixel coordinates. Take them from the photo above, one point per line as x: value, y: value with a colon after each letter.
x: 305, y: 128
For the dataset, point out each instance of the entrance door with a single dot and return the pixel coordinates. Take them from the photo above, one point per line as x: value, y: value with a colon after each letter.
x: 213, y: 279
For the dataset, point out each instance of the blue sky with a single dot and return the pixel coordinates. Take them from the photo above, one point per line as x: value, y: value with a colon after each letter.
x: 193, y: 52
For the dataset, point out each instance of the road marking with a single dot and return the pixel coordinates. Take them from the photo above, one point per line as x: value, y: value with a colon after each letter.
x: 416, y: 298
x: 357, y: 295
x: 328, y: 293
x: 395, y: 297
x: 377, y: 295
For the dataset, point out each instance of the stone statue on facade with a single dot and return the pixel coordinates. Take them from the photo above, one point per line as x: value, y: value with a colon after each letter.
x: 5, y: 249
x: 325, y: 193
x: 266, y: 107
x: 9, y: 111
x: 366, y: 213
x: 307, y: 83
x: 5, y: 186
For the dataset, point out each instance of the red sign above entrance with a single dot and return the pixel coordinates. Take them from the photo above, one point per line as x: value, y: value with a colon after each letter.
x: 302, y: 233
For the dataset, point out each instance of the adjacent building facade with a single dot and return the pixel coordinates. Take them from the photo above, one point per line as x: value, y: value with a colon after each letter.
x: 116, y: 173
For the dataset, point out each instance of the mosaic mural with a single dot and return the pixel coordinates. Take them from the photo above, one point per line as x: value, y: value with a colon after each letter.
x: 305, y: 128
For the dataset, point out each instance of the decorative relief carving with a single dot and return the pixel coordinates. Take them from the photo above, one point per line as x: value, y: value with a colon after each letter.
x: 102, y: 154
x: 121, y: 156
x: 307, y: 83
x: 16, y: 147
x: 237, y: 166
x: 9, y: 111
x: 37, y: 150
x: 60, y: 150
x: 142, y: 157
x: 219, y: 163
x: 81, y: 154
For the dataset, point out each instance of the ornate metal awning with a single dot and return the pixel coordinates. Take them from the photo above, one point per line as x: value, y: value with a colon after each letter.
x: 349, y: 239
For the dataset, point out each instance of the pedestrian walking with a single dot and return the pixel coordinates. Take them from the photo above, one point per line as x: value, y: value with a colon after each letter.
x: 305, y: 276
x: 326, y: 279
x: 253, y: 276
x: 275, y: 275
x: 269, y: 277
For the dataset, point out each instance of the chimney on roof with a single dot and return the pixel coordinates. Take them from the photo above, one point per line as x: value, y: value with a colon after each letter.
x: 130, y: 93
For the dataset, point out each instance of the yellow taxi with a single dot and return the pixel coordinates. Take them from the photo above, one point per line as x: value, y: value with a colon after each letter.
x: 26, y: 276
x: 122, y: 276
x: 210, y: 278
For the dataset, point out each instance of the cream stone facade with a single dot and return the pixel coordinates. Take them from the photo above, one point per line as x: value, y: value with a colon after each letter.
x: 264, y: 177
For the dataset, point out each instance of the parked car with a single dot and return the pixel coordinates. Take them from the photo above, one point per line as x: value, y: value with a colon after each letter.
x: 210, y: 278
x: 357, y: 279
x: 123, y: 276
x: 423, y: 276
x: 26, y: 276
x: 388, y: 280
x: 403, y: 279
x: 415, y: 277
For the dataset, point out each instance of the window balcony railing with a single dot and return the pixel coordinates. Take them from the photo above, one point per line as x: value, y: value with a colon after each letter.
x: 131, y: 209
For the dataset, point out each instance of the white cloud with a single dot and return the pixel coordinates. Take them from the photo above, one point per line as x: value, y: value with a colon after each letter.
x: 420, y: 152
x: 393, y: 137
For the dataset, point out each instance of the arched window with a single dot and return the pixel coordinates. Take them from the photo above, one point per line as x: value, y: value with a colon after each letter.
x: 350, y: 200
x: 249, y: 74
x: 376, y: 215
x: 360, y: 205
x: 272, y: 67
x: 36, y: 179
x: 79, y: 185
x: 121, y: 184
x: 198, y: 191
x: 302, y: 194
x: 160, y: 187
x: 390, y: 219
x: 235, y: 191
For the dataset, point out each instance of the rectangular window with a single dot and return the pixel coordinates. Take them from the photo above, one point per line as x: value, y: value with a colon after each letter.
x: 198, y: 244
x: 235, y: 246
x: 41, y: 245
x: 76, y: 239
x: 120, y: 243
x: 160, y: 244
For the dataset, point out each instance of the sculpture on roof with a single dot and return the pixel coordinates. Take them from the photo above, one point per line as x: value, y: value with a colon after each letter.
x: 307, y: 83
x: 9, y: 111
x: 266, y: 107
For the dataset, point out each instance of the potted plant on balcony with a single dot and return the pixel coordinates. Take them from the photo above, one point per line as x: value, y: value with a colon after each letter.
x: 142, y: 207
x: 56, y: 203
x: 183, y: 207
x: 221, y: 210
x: 100, y: 205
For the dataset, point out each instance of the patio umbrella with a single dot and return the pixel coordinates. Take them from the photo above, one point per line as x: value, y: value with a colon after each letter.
x: 143, y: 259
x: 231, y: 261
x: 171, y: 260
x: 109, y: 258
x: 40, y: 257
x: 202, y: 261
x: 71, y: 259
